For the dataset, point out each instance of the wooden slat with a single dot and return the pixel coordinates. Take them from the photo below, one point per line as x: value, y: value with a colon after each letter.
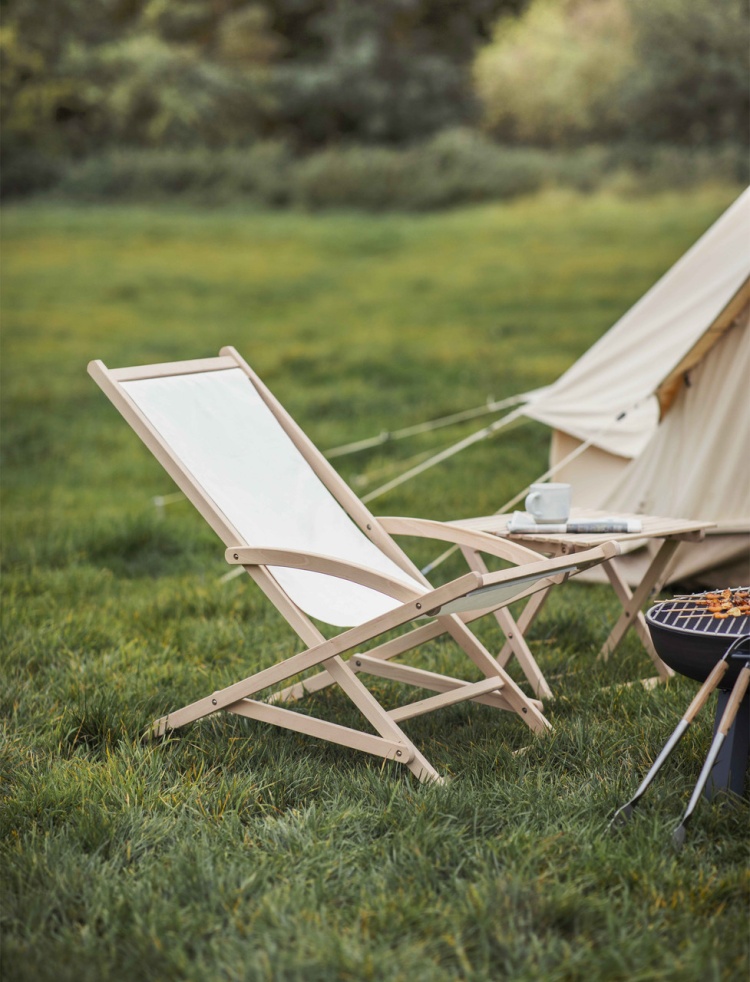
x: 652, y: 527
x: 512, y: 551
x: 322, y: 729
x: 527, y: 709
x: 138, y: 372
x: 515, y: 640
x: 449, y: 698
x: 421, y: 678
x: 330, y: 565
x: 524, y: 620
x: 378, y: 718
x: 314, y: 656
x: 632, y: 601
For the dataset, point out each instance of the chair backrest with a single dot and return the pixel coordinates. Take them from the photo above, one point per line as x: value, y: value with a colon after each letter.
x: 225, y: 436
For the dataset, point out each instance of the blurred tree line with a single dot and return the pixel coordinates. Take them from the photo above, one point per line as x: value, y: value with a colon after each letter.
x: 80, y: 77
x: 81, y: 74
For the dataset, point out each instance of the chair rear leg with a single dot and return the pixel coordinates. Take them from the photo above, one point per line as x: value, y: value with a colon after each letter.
x: 517, y: 700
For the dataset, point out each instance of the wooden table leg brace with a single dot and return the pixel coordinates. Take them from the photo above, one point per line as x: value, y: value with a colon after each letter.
x: 632, y: 601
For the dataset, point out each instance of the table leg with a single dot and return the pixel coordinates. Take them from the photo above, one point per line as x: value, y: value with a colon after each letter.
x: 633, y: 600
x: 524, y: 620
x: 515, y: 641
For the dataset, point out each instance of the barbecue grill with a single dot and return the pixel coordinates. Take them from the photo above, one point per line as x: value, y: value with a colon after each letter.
x: 691, y: 639
x: 705, y: 636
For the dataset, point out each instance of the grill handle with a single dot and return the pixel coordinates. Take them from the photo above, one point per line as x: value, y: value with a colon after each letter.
x: 701, y: 697
x: 623, y: 814
x: 738, y: 694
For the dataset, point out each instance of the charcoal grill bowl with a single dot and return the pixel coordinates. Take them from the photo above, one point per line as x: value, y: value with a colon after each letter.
x: 691, y: 653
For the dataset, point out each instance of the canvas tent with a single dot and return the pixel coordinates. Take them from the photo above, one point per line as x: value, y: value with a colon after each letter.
x: 655, y: 417
x: 658, y: 409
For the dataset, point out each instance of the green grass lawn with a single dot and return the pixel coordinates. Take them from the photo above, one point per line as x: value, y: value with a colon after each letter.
x: 240, y: 852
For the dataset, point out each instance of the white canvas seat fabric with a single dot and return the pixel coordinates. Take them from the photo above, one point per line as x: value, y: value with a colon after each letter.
x: 226, y: 436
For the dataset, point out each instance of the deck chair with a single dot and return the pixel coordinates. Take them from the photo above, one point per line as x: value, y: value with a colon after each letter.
x: 318, y: 554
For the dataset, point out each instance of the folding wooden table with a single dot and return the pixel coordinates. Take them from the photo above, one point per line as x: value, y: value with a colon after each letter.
x: 671, y: 532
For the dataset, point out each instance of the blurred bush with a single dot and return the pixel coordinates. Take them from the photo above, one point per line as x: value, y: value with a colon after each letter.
x: 80, y: 75
x: 693, y: 79
x: 338, y: 103
x: 461, y: 166
x: 260, y: 174
x: 456, y: 167
x: 453, y: 168
x: 552, y: 76
x: 574, y: 71
x: 27, y: 171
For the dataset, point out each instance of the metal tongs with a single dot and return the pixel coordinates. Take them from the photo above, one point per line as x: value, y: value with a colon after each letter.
x: 623, y: 813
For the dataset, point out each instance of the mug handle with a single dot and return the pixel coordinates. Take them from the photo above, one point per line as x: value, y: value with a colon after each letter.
x: 530, y: 499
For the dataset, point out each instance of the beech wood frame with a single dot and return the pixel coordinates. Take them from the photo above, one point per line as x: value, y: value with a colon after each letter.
x: 390, y: 742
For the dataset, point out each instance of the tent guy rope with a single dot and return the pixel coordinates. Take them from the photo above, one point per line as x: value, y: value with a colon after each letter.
x: 551, y: 472
x: 388, y: 436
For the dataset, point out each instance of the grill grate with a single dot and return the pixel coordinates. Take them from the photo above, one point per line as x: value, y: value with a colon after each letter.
x: 690, y: 614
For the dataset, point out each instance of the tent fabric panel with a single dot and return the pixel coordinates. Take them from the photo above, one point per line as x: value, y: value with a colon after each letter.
x: 593, y: 474
x: 622, y: 371
x: 697, y: 464
x: 733, y: 313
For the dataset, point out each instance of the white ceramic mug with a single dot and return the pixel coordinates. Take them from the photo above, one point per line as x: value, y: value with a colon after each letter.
x: 549, y: 502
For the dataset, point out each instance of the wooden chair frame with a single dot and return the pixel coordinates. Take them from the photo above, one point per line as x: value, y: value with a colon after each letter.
x: 450, y: 607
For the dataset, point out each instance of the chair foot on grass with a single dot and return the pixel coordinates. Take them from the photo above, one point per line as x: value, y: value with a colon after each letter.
x: 159, y: 730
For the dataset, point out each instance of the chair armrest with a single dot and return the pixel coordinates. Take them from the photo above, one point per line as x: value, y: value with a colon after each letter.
x: 553, y: 567
x: 317, y: 563
x: 472, y: 591
x: 485, y: 542
x: 498, y: 589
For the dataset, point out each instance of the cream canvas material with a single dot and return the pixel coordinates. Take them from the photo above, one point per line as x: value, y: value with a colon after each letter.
x: 662, y: 402
x: 623, y: 371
